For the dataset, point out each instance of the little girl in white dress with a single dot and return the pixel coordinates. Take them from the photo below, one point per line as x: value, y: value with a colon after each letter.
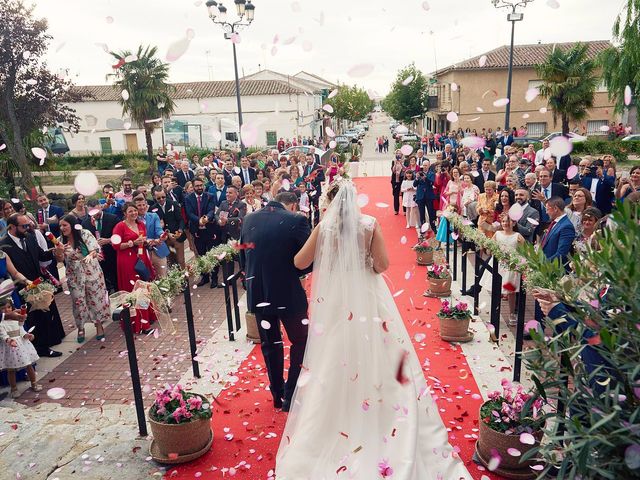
x: 16, y: 350
x: 408, y: 192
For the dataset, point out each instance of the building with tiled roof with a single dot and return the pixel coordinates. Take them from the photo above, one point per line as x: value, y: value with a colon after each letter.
x: 273, y: 106
x: 481, y: 80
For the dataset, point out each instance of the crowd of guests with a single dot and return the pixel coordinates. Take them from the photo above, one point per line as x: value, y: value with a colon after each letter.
x: 118, y: 236
x: 561, y: 201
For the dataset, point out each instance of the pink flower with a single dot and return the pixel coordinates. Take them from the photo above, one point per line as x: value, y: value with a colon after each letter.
x: 195, y: 403
x: 385, y: 469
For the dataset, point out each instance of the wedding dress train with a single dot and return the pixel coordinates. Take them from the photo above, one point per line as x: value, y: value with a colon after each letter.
x: 362, y: 409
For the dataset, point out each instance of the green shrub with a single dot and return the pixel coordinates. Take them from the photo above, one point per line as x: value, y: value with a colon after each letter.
x: 619, y: 149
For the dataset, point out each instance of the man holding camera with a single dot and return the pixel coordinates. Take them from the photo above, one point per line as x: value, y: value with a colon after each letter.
x: 425, y: 194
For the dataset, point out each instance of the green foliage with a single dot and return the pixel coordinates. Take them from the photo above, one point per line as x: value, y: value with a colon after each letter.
x: 569, y: 83
x: 150, y: 94
x: 31, y: 96
x: 621, y: 64
x: 619, y: 149
x: 594, y: 433
x: 350, y: 103
x: 404, y: 102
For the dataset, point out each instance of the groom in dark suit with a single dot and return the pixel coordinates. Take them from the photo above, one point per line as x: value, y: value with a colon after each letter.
x: 274, y: 290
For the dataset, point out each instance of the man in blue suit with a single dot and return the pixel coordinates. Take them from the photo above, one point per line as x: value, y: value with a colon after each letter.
x: 424, y: 193
x: 159, y: 250
x: 219, y: 189
x: 557, y: 239
x: 601, y: 186
x: 48, y: 216
x: 200, y: 208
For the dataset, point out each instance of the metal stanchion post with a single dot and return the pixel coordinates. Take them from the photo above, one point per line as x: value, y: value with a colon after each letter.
x: 227, y: 300
x: 517, y: 364
x: 463, y: 267
x: 476, y: 280
x: 123, y: 314
x: 191, y: 329
x: 236, y: 308
x: 448, y: 232
x: 496, y: 297
x: 455, y: 259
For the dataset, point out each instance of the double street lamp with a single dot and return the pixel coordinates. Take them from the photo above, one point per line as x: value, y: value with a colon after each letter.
x: 218, y: 14
x: 513, y: 17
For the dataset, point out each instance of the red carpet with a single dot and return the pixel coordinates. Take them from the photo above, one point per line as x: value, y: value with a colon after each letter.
x: 246, y: 427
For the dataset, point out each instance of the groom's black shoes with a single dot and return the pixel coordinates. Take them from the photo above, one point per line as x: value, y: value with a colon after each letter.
x: 286, y: 405
x: 277, y: 403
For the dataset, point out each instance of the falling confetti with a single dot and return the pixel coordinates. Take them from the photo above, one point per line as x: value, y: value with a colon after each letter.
x: 572, y: 171
x: 531, y: 94
x: 39, y: 153
x: 501, y: 102
x: 627, y: 95
x: 425, y: 6
x: 553, y: 4
x: 516, y: 212
x: 407, y: 80
x: 560, y: 146
x: 264, y: 324
x: 406, y: 150
x: 177, y: 49
x: 125, y: 95
x: 109, y: 20
x: 360, y: 70
x: 452, y: 117
x: 86, y: 183
x: 454, y: 87
x: 543, y: 110
x: 333, y: 93
x: 328, y: 108
x: 56, y: 393
x: 482, y: 61
x: 363, y: 200
x: 116, y: 239
x: 329, y: 131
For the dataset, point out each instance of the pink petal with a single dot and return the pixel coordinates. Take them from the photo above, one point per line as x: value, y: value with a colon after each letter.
x: 527, y: 438
x: 572, y: 171
x: 501, y: 102
x: 452, y: 117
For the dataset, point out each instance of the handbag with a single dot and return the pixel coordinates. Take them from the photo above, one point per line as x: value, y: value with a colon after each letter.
x: 142, y: 270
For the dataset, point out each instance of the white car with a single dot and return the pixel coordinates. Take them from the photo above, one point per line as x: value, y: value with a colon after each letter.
x: 632, y: 138
x: 573, y: 137
x: 324, y: 155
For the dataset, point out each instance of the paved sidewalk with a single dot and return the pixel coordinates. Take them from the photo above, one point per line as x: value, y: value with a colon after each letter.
x: 97, y: 373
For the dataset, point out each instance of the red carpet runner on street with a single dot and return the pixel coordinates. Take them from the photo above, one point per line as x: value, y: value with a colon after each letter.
x: 246, y: 427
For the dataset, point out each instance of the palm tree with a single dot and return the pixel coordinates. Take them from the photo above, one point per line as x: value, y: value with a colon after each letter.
x: 621, y: 64
x: 569, y: 83
x: 144, y: 77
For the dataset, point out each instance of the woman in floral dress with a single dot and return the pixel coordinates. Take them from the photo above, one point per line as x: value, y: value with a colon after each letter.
x: 80, y: 252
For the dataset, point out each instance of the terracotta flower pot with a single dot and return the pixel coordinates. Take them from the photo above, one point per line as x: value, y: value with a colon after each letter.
x: 181, y: 439
x: 452, y: 328
x: 491, y: 442
x: 439, y: 285
x: 424, y: 258
x: 252, y: 327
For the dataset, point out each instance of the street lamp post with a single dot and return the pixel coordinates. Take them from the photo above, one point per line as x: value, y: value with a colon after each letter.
x: 513, y: 17
x: 218, y: 14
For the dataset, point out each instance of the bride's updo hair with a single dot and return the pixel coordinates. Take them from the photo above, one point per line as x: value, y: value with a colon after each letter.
x: 333, y: 191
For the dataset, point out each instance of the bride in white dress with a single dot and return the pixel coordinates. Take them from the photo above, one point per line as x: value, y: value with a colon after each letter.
x: 361, y: 409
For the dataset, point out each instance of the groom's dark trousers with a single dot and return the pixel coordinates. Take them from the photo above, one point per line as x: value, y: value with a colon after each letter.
x: 273, y: 237
x: 273, y: 351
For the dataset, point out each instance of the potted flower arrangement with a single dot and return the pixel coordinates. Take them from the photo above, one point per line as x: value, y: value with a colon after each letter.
x: 511, y: 425
x: 181, y: 425
x: 454, y: 322
x: 424, y: 252
x: 424, y: 248
x: 439, y: 279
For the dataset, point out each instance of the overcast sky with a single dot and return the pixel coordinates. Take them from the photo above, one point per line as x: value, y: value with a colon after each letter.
x: 327, y: 37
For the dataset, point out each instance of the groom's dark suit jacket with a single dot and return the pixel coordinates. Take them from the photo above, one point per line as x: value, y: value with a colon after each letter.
x: 271, y: 276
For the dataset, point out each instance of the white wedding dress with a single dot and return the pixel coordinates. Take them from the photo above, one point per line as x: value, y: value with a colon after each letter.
x: 361, y: 409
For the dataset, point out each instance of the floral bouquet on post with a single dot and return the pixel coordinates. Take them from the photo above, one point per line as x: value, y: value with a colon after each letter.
x: 39, y: 294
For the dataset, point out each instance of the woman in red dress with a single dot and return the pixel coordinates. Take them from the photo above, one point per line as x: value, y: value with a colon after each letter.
x: 133, y: 236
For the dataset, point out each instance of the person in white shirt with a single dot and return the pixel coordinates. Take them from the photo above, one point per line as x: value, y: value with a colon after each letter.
x: 542, y: 153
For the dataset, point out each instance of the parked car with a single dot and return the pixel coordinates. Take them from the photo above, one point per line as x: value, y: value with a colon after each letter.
x: 573, y: 137
x: 343, y: 141
x: 324, y: 155
x: 525, y: 140
x: 632, y: 138
x: 364, y: 125
x: 355, y: 132
x: 411, y: 137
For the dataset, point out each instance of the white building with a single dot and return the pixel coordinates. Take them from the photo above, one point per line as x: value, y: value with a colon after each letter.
x: 273, y: 106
